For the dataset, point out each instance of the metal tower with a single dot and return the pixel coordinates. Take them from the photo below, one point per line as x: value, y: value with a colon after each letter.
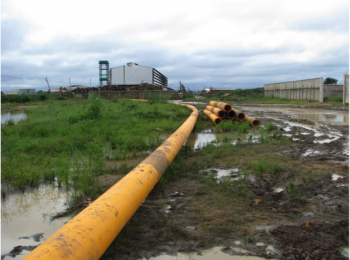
x: 104, y: 72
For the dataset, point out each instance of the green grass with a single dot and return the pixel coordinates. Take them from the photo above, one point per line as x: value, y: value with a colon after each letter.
x: 71, y: 139
x: 334, y: 99
x: 264, y: 165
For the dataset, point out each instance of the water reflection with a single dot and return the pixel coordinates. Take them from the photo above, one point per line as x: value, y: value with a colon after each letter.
x: 15, y: 116
x: 25, y: 214
x: 214, y: 253
x: 199, y: 140
x: 324, y: 117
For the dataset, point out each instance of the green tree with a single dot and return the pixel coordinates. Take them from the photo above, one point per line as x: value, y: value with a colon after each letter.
x: 330, y: 81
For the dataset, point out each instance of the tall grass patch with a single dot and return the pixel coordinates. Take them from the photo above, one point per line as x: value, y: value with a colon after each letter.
x: 70, y: 137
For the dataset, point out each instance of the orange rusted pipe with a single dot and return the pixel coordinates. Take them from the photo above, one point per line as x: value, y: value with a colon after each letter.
x: 224, y: 106
x: 217, y: 111
x: 239, y: 114
x: 231, y: 114
x: 89, y: 234
x: 253, y: 122
x: 217, y: 120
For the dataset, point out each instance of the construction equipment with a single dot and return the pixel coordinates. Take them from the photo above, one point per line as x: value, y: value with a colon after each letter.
x: 61, y: 89
x: 210, y: 91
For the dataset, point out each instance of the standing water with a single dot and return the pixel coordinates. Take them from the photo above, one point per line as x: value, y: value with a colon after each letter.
x: 25, y: 217
x: 324, y: 117
x: 15, y: 116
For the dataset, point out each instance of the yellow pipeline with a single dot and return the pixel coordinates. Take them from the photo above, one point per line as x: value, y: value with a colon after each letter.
x: 253, y: 122
x: 224, y: 106
x: 217, y: 120
x: 217, y: 111
x: 239, y: 114
x: 88, y: 234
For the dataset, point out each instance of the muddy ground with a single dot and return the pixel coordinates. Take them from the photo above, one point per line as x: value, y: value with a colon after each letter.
x: 306, y: 218
x: 299, y: 212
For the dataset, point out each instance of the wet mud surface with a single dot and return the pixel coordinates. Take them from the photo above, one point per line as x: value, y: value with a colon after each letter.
x: 300, y: 212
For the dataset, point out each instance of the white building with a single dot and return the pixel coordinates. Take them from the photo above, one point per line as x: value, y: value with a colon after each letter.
x: 21, y: 92
x: 134, y: 74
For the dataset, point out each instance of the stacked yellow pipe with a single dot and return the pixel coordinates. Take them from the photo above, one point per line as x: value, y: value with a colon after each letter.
x: 88, y: 234
x: 224, y: 106
x: 239, y: 114
x: 217, y: 120
x: 217, y: 111
x: 253, y: 122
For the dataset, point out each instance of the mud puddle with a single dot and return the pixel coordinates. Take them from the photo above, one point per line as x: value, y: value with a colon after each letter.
x: 25, y: 218
x: 324, y: 117
x: 223, y: 253
x: 14, y: 116
x: 231, y: 174
x: 199, y: 140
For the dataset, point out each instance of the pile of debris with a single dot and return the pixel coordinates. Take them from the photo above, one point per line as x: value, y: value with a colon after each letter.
x: 141, y: 87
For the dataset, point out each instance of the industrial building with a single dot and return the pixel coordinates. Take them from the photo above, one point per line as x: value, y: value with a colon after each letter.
x: 21, y: 92
x: 131, y: 74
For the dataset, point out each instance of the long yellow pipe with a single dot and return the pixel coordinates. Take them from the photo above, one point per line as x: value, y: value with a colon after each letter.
x: 217, y: 111
x: 217, y: 120
x: 224, y: 106
x: 88, y: 234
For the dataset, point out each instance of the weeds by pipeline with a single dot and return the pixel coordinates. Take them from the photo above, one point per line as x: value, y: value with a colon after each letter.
x: 262, y: 166
x: 69, y: 137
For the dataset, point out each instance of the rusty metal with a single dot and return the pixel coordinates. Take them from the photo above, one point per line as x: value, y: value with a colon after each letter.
x: 217, y: 111
x: 238, y: 114
x: 224, y: 106
x: 231, y: 114
x: 217, y: 120
x: 88, y: 234
x: 253, y: 122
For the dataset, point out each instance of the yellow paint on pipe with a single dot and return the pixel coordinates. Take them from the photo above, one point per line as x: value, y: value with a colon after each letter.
x: 253, y: 122
x: 217, y: 111
x: 217, y: 120
x: 239, y: 114
x: 224, y: 106
x: 88, y: 234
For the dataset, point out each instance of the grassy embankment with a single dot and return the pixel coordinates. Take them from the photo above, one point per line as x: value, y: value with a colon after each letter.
x: 71, y: 140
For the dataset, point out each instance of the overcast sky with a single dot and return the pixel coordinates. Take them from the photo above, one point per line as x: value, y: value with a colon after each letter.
x: 221, y: 43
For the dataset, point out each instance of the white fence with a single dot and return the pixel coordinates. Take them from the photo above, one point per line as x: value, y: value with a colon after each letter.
x: 307, y: 89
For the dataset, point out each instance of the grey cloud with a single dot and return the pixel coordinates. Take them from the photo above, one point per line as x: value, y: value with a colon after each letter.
x: 65, y: 58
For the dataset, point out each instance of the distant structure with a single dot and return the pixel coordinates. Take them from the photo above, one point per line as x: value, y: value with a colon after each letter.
x: 134, y: 74
x: 104, y: 72
x: 21, y: 92
x: 218, y: 89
